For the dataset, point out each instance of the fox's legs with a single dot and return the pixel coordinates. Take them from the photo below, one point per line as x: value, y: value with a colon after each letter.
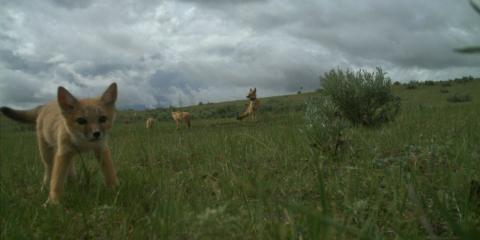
x: 61, y: 165
x: 105, y: 159
x: 46, y: 154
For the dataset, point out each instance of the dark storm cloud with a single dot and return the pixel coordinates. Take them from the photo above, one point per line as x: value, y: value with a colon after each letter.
x: 15, y: 62
x: 217, y: 3
x: 182, y: 52
x: 72, y: 4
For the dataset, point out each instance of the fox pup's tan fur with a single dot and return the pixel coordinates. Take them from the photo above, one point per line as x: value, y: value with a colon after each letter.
x: 252, y: 105
x: 66, y: 127
x: 179, y: 116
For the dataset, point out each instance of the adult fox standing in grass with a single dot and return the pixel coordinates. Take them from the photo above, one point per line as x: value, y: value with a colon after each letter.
x: 67, y: 127
x: 179, y: 116
x: 252, y: 105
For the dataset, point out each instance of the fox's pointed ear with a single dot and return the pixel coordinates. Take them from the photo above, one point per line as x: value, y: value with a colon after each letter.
x: 255, y: 90
x: 66, y: 100
x: 109, y: 97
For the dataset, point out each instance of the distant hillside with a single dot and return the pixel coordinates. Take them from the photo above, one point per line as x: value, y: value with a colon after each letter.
x: 229, y: 109
x: 427, y: 93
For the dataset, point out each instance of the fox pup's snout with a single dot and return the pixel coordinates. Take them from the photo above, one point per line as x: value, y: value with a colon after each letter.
x: 92, y: 125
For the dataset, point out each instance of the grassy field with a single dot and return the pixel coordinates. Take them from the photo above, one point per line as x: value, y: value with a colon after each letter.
x: 224, y: 179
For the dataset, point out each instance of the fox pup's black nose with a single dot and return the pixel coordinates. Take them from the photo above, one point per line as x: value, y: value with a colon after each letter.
x: 97, y: 134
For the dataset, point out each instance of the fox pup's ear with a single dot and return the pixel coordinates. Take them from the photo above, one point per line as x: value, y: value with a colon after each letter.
x: 110, y: 95
x: 66, y: 100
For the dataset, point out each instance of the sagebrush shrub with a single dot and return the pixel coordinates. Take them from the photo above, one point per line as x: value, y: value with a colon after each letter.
x: 362, y: 97
x: 429, y: 83
x: 324, y: 125
x: 446, y: 84
x: 410, y: 86
x: 458, y: 98
x: 227, y: 111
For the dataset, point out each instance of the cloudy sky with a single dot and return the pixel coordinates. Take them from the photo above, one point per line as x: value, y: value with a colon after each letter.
x: 165, y: 53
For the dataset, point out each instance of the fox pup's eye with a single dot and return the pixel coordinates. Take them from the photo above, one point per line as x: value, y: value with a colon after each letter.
x: 102, y: 119
x: 81, y: 121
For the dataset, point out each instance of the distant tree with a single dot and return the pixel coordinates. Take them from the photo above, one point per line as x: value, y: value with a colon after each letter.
x: 412, y: 84
x: 429, y: 83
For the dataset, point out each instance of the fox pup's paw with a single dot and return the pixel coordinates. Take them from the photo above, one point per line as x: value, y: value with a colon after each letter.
x: 51, y: 202
x: 112, y: 184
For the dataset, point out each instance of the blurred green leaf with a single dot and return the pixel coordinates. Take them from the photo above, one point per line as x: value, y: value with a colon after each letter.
x: 476, y: 5
x: 475, y: 49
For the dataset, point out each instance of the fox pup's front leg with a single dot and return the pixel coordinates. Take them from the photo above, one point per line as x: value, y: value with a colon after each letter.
x: 47, y: 154
x: 61, y: 164
x: 105, y: 160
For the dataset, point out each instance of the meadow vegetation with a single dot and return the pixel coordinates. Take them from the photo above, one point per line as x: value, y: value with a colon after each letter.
x: 414, y: 177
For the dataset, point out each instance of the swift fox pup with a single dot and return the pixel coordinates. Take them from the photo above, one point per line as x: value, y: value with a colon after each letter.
x: 179, y: 116
x: 149, y: 122
x: 252, y: 105
x: 66, y: 127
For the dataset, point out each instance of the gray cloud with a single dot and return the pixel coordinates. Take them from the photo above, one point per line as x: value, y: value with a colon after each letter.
x: 72, y: 4
x: 181, y: 52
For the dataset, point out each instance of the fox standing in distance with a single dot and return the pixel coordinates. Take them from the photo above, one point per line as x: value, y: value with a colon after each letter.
x: 149, y: 122
x: 179, y: 116
x: 67, y: 127
x: 252, y: 105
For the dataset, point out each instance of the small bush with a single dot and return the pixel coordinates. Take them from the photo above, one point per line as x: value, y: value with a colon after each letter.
x: 464, y: 80
x: 446, y: 84
x: 227, y: 111
x: 324, y: 125
x: 362, y: 97
x: 429, y: 83
x: 444, y: 91
x: 458, y: 98
x: 411, y: 85
x: 267, y: 107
